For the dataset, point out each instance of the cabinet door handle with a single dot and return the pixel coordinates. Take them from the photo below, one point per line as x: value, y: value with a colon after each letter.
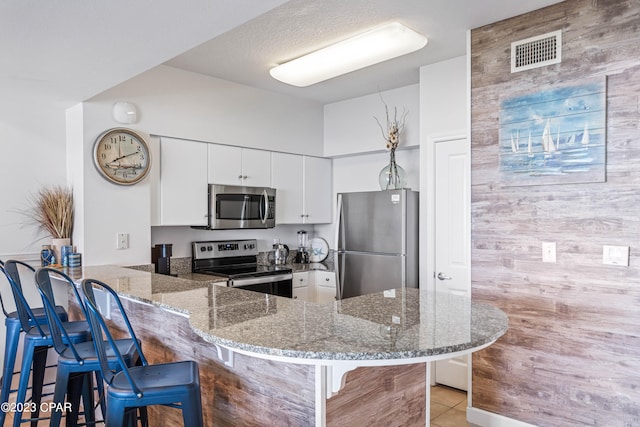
x: 239, y: 176
x: 244, y: 177
x: 326, y: 279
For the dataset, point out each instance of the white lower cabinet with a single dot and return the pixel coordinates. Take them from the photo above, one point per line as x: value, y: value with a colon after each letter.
x: 301, y: 294
x: 324, y: 286
x: 301, y: 286
x: 314, y: 286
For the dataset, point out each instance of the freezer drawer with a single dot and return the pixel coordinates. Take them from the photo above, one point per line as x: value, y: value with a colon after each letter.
x: 365, y: 273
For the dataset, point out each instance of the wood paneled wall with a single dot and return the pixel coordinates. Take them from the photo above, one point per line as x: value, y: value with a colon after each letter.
x: 572, y: 353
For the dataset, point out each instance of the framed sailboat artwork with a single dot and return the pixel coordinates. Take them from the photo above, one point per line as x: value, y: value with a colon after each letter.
x: 554, y: 136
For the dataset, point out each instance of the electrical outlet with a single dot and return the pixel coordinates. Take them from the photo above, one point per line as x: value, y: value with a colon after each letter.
x: 615, y: 255
x: 548, y: 251
x: 123, y: 241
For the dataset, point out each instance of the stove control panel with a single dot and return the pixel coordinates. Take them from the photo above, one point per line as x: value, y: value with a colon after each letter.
x: 224, y: 249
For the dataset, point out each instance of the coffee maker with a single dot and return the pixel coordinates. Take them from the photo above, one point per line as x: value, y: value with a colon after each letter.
x: 161, y: 257
x: 302, y: 257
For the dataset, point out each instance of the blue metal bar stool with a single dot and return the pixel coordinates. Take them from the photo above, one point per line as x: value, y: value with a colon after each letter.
x: 175, y: 384
x: 37, y: 341
x: 13, y: 330
x: 76, y: 362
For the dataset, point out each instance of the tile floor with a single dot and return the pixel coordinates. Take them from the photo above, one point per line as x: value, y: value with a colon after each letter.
x: 448, y: 407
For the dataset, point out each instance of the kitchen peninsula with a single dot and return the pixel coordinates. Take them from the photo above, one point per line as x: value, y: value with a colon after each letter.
x: 267, y: 360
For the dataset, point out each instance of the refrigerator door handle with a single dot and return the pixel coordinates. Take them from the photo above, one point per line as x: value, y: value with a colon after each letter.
x: 339, y: 228
x: 340, y: 274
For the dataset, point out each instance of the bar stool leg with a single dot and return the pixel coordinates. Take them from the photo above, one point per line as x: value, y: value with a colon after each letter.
x: 37, y: 381
x: 28, y: 358
x: 10, y: 351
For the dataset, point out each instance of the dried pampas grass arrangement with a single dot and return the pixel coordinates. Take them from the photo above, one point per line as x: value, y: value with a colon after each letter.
x: 52, y: 210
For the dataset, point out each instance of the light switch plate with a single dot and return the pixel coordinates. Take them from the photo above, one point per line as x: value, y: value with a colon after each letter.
x: 123, y: 241
x: 548, y: 251
x: 615, y: 255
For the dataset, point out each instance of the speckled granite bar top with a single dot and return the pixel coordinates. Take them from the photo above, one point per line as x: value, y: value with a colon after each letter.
x: 399, y: 324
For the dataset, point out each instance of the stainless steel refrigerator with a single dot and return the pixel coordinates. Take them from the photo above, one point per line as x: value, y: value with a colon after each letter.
x: 377, y: 235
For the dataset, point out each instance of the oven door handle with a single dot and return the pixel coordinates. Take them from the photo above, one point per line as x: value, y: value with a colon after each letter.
x: 235, y: 283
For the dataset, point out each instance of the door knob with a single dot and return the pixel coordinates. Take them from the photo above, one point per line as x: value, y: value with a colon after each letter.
x: 443, y: 276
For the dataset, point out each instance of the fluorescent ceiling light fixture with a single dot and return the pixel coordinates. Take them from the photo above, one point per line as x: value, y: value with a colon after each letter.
x: 374, y: 46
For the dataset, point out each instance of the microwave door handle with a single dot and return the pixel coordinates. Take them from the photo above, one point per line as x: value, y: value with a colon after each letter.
x: 264, y: 207
x: 243, y: 214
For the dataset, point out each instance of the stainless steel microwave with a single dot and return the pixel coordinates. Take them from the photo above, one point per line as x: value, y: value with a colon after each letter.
x: 232, y: 207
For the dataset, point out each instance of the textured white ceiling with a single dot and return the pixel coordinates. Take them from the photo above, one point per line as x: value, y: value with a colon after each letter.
x: 246, y: 53
x: 65, y: 51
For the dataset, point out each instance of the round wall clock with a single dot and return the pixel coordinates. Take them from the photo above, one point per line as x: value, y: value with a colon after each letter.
x: 122, y: 156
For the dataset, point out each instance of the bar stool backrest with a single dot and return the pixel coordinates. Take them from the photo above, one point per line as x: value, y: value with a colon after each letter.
x: 4, y: 310
x: 27, y: 319
x: 56, y: 327
x: 99, y: 328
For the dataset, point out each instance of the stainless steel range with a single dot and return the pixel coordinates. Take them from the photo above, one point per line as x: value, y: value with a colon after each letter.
x: 238, y: 261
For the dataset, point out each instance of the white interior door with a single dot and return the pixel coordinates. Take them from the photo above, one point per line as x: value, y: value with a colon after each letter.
x: 452, y: 239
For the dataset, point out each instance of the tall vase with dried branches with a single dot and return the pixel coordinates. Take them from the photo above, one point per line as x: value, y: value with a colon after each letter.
x: 52, y: 210
x: 392, y: 176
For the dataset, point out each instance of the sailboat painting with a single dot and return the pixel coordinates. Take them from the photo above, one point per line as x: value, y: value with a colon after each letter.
x: 554, y: 136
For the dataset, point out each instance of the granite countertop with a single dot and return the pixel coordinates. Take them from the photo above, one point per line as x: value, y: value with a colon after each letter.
x: 399, y: 324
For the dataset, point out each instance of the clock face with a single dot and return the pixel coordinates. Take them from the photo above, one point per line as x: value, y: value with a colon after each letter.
x: 122, y: 156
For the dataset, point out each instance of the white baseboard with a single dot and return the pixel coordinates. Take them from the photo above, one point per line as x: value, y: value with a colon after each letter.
x: 489, y: 419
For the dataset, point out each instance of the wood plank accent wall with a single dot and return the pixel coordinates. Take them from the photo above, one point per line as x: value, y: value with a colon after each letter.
x: 572, y: 353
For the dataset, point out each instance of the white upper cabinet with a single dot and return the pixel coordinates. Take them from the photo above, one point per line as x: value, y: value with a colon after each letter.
x: 286, y: 178
x: 317, y: 190
x: 183, y: 182
x: 303, y: 189
x: 230, y: 165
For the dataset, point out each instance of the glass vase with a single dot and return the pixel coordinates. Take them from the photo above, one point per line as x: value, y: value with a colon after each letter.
x: 392, y: 176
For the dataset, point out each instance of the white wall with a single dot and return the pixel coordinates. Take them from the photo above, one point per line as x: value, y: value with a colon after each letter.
x: 185, y: 105
x: 350, y: 126
x: 32, y: 138
x: 443, y: 98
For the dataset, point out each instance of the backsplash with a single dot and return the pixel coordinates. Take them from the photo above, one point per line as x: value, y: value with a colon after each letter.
x: 182, y: 265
